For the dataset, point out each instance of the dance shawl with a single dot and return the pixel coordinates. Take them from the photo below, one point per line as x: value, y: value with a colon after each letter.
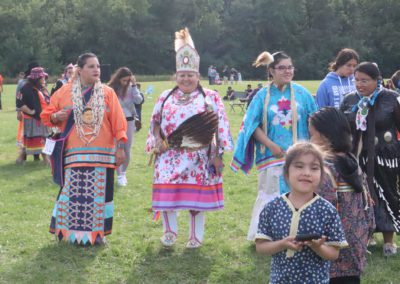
x: 279, y: 126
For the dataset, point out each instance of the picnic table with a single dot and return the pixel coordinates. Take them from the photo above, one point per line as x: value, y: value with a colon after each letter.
x: 239, y: 102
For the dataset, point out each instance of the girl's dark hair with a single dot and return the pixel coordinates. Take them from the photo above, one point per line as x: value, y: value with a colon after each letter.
x: 344, y: 56
x: 278, y: 57
x: 395, y: 79
x: 300, y: 149
x: 116, y: 77
x: 83, y: 58
x: 369, y: 68
x: 333, y: 125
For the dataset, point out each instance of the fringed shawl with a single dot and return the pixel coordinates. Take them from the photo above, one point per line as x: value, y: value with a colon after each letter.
x: 244, y: 157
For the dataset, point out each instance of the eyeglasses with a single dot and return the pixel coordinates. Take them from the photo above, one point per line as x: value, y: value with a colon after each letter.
x: 363, y: 81
x: 285, y: 68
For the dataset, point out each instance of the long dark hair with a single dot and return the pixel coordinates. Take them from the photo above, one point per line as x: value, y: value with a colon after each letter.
x: 35, y: 83
x: 396, y: 78
x: 333, y: 125
x: 116, y: 77
x: 344, y: 56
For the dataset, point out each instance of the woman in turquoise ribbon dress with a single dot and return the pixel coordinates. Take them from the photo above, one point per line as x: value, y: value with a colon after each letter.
x: 276, y: 118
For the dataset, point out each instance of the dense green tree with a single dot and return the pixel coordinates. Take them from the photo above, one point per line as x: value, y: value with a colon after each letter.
x: 140, y: 33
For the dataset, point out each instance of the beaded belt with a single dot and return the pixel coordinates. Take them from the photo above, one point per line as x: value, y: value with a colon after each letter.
x: 344, y: 187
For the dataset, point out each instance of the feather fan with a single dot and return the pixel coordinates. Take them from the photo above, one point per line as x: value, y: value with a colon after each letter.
x: 196, y: 131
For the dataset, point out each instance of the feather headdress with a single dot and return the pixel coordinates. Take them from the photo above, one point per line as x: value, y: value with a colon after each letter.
x: 264, y: 59
x: 182, y: 38
x: 187, y: 58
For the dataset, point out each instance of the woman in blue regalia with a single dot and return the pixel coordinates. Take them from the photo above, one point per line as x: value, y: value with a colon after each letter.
x: 275, y: 119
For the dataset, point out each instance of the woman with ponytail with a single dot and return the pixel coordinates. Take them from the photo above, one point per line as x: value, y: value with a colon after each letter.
x: 339, y: 81
x: 374, y: 115
x: 124, y: 84
x: 275, y: 119
x: 189, y: 133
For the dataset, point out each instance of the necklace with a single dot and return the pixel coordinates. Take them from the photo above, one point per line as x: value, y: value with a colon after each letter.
x: 183, y: 98
x: 89, y: 115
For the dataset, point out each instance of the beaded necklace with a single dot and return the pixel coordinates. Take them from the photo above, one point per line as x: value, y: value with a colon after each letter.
x: 88, y: 115
x: 183, y: 99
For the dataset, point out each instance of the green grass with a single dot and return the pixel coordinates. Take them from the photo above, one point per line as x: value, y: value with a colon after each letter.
x: 29, y: 254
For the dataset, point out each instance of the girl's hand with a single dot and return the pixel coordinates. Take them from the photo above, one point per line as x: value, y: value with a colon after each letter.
x: 315, y: 244
x: 325, y: 251
x: 218, y: 165
x: 19, y: 115
x: 161, y: 145
x: 276, y: 151
x: 60, y: 116
x: 290, y: 243
x: 119, y: 156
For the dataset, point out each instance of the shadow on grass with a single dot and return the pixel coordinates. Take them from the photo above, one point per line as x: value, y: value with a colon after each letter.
x: 13, y: 170
x: 215, y: 262
x: 31, y: 175
x: 160, y: 265
x: 54, y: 261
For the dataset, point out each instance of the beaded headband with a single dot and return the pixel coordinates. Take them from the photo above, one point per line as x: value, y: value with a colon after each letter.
x: 187, y: 58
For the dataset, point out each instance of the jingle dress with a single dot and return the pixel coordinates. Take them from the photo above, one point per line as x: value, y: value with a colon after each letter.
x: 83, y: 212
x: 386, y: 159
x: 182, y: 179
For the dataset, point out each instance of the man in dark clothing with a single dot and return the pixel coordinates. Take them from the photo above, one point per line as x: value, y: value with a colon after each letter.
x: 251, y: 96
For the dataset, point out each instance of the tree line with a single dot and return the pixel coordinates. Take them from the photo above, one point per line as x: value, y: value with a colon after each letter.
x: 139, y: 33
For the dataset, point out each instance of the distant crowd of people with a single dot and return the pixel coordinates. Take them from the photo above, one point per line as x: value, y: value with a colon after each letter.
x: 228, y: 75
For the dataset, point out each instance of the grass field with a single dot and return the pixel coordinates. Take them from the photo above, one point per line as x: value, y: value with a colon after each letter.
x: 29, y: 254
